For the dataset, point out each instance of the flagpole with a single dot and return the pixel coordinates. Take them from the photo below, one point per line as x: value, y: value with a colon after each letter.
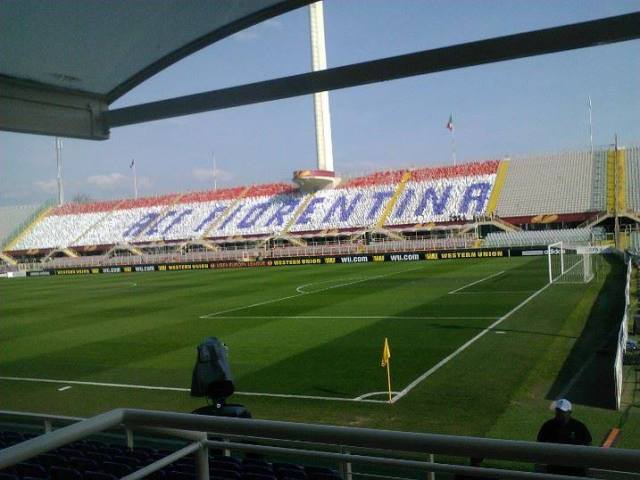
x: 590, y: 127
x: 135, y: 179
x: 386, y: 360
x: 389, y: 378
x: 453, y: 146
x: 451, y: 129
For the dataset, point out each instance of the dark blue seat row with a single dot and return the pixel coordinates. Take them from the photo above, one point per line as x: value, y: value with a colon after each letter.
x: 93, y: 460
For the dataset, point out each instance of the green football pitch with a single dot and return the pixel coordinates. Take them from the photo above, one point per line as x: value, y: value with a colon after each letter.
x: 475, y: 343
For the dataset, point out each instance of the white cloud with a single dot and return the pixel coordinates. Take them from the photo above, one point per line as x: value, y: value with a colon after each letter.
x: 117, y: 182
x: 108, y: 181
x: 47, y: 186
x: 207, y: 174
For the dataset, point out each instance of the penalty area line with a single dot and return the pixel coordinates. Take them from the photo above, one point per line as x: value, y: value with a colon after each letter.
x: 179, y: 389
x: 466, y: 345
x: 476, y: 282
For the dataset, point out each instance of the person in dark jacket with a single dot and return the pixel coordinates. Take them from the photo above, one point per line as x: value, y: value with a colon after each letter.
x: 564, y: 429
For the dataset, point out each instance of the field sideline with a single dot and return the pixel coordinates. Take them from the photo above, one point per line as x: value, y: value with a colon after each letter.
x: 304, y: 342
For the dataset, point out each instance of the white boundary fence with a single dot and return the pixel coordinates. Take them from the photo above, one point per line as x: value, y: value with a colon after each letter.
x: 623, y: 335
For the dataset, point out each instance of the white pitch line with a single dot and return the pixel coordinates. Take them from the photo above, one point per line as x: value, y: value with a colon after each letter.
x: 372, y: 394
x: 309, y: 397
x: 300, y: 288
x: 94, y: 384
x: 349, y: 317
x: 467, y: 344
x: 477, y: 281
x: 177, y: 389
x: 493, y: 292
x: 64, y: 388
x: 266, y: 302
x: 215, y: 314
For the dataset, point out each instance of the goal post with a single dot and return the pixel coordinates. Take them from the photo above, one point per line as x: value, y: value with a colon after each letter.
x: 570, y: 263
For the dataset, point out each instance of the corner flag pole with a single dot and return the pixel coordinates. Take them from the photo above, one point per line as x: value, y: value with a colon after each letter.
x: 386, y: 362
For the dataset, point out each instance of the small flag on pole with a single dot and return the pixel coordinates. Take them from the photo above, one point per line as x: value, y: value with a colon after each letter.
x: 450, y: 123
x: 386, y: 362
x: 386, y: 353
x: 133, y: 162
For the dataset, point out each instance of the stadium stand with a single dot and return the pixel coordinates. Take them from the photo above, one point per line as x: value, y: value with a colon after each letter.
x: 258, y: 215
x: 376, y: 178
x: 94, y: 459
x: 598, y: 181
x: 13, y: 218
x: 435, y: 194
x: 344, y: 208
x: 16, y: 221
x: 633, y: 178
x: 567, y: 187
x: 269, y: 189
x: 634, y: 242
x: 466, y: 170
x: 56, y: 231
x: 540, y: 237
x: 554, y: 184
x: 210, y: 195
x: 94, y: 207
x: 442, y: 199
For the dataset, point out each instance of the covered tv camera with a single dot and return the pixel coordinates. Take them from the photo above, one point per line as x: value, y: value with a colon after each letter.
x: 211, y: 373
x: 212, y: 378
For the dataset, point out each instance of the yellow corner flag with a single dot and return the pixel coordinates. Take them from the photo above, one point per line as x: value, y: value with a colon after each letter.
x: 386, y: 357
x: 386, y: 353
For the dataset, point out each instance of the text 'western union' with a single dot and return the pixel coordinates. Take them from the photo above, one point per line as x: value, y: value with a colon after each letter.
x: 489, y: 253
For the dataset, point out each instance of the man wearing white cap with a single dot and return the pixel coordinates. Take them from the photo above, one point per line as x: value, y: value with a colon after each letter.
x: 564, y: 429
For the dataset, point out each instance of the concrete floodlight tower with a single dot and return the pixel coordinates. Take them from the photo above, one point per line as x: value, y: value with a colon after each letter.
x: 321, y: 99
x: 324, y: 174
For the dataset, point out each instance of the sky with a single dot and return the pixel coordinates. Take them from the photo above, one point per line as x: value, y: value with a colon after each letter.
x: 515, y: 108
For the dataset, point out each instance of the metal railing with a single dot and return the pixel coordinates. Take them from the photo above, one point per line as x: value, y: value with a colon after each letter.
x: 378, y: 448
x: 235, y: 253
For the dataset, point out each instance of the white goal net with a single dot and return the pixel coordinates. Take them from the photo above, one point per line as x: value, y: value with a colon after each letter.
x: 570, y: 264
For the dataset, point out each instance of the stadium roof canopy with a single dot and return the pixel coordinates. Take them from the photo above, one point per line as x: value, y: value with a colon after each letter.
x: 64, y: 62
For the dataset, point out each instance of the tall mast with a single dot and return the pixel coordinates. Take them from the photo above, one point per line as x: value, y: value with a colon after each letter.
x: 324, y: 144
